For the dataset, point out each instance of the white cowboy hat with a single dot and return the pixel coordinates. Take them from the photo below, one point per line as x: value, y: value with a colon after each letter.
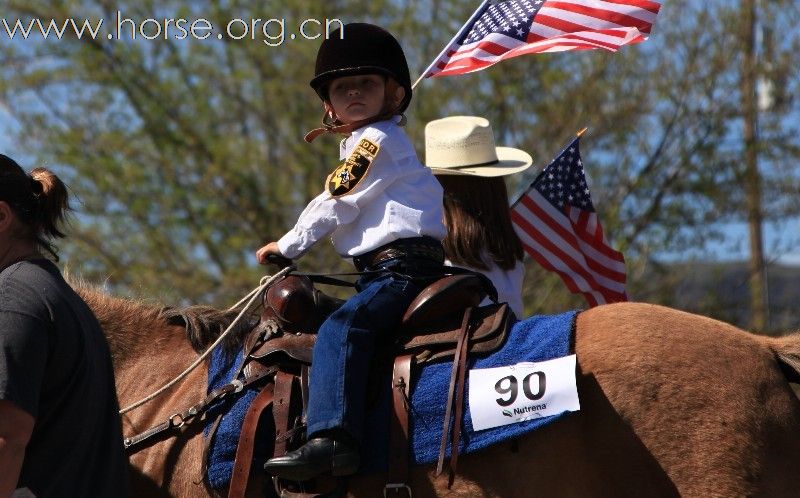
x: 464, y: 145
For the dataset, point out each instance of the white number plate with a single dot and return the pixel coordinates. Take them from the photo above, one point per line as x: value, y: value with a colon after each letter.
x: 506, y: 395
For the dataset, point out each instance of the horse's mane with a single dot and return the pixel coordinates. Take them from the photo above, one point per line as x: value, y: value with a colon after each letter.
x: 128, y: 322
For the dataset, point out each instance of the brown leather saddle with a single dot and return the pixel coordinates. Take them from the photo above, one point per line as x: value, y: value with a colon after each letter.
x: 444, y: 321
x: 429, y: 329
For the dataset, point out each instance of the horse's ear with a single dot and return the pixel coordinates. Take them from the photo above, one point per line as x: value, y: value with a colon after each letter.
x: 790, y: 365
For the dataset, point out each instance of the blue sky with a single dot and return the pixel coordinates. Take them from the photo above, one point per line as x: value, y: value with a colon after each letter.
x: 6, y: 146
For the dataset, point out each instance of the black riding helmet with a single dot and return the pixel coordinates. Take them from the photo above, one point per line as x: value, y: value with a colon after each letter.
x: 361, y: 49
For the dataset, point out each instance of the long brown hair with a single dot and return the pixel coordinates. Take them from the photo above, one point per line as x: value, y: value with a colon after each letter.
x: 39, y: 199
x: 478, y: 220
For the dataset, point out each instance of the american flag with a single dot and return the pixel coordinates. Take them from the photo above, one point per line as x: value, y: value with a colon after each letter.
x: 501, y: 30
x: 558, y: 226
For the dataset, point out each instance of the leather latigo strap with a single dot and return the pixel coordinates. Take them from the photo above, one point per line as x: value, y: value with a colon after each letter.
x: 398, y: 429
x: 304, y: 375
x: 244, y: 450
x: 462, y: 372
x: 284, y: 390
x: 457, y: 377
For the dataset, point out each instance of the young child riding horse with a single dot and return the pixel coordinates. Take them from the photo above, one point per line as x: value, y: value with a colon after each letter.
x: 383, y: 209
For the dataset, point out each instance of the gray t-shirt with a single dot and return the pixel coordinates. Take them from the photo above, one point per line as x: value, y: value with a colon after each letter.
x: 55, y: 364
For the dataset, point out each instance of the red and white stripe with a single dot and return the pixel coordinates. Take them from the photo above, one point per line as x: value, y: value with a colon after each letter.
x: 559, y: 25
x: 571, y: 244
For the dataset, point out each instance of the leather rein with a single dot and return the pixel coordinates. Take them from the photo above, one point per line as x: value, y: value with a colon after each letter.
x: 176, y: 421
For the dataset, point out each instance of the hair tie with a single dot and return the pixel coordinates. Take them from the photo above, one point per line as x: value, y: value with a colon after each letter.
x: 37, y: 189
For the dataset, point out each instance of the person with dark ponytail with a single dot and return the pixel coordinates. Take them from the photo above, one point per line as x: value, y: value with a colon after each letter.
x: 60, y: 432
x: 462, y: 153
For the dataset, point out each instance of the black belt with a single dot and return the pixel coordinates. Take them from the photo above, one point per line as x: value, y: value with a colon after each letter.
x: 416, y: 248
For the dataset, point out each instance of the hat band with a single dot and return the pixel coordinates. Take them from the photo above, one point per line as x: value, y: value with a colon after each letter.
x: 476, y: 165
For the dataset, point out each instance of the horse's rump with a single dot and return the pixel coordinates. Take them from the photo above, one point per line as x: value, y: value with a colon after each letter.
x: 708, y: 400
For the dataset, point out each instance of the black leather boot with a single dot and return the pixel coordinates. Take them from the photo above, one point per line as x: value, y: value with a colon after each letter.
x: 320, y: 455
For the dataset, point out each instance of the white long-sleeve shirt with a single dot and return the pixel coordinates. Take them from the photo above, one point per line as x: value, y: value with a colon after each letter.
x: 396, y: 197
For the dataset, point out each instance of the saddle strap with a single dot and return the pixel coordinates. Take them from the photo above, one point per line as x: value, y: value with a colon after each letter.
x: 304, y: 391
x: 247, y: 437
x: 284, y: 388
x: 461, y: 351
x: 459, y: 408
x: 398, y: 432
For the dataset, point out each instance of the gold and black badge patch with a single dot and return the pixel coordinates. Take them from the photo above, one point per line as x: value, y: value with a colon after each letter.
x: 345, y: 178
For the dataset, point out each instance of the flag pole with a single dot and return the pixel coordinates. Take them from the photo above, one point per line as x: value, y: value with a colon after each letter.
x: 458, y: 36
x: 581, y: 132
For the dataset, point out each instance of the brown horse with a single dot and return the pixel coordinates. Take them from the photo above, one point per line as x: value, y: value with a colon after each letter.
x: 671, y: 404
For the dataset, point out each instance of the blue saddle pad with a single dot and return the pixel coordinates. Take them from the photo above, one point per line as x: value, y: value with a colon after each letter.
x: 222, y: 450
x: 535, y: 339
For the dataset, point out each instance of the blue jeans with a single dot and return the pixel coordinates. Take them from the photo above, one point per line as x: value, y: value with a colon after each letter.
x: 345, y: 347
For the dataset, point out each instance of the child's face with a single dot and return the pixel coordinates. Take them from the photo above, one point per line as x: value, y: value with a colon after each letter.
x: 354, y: 98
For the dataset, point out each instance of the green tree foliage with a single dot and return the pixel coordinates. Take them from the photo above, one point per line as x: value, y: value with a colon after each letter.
x: 187, y: 155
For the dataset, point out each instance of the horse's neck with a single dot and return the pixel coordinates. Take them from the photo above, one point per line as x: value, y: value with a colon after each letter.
x: 131, y: 328
x: 160, y: 359
x: 147, y: 371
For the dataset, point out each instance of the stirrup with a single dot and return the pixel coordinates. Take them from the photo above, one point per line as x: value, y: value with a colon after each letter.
x: 396, y: 487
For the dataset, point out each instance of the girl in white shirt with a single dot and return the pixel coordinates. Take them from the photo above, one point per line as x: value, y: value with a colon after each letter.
x: 462, y: 154
x: 381, y: 207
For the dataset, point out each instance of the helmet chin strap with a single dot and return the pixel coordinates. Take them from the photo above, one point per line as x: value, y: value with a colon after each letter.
x: 333, y: 125
x: 340, y: 128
